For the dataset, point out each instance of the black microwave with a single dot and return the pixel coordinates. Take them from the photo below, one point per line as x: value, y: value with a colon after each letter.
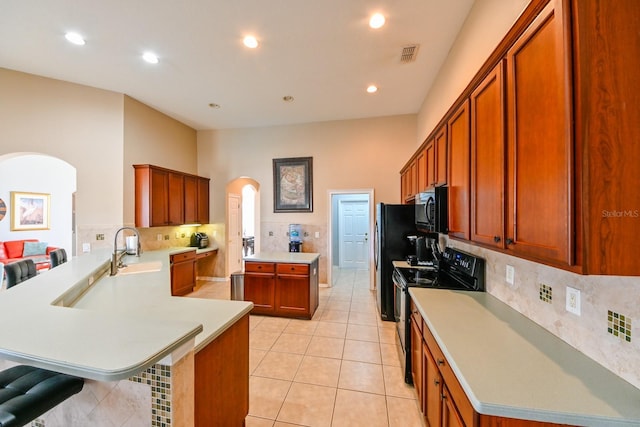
x: 431, y: 210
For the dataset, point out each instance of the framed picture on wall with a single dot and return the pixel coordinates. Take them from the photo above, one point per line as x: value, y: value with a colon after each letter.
x: 293, y: 184
x: 30, y: 211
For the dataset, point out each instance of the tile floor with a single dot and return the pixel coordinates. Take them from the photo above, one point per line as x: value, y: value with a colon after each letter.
x: 339, y: 369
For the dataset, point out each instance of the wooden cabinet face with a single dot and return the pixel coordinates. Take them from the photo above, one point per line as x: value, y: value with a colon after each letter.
x: 421, y: 162
x: 259, y: 288
x: 450, y: 415
x: 183, y: 273
x: 176, y: 199
x: 539, y: 205
x: 488, y: 160
x: 292, y: 294
x: 432, y: 389
x: 431, y: 163
x: 191, y: 200
x: 459, y: 185
x: 203, y: 200
x: 416, y: 360
x: 159, y: 198
x: 440, y: 161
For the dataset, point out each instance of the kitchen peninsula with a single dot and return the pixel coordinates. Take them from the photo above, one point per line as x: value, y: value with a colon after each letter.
x: 140, y: 349
x: 282, y: 283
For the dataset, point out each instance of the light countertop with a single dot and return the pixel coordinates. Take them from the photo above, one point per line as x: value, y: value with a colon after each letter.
x: 511, y: 367
x: 288, y: 257
x: 117, y: 326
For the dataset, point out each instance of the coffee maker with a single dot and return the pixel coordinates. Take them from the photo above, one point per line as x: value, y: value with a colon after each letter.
x: 422, y: 249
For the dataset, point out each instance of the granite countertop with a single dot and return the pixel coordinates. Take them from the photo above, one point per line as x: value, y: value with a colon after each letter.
x: 511, y: 367
x: 288, y: 257
x: 77, y: 319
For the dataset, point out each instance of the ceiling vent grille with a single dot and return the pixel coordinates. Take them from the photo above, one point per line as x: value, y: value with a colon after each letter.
x: 409, y: 53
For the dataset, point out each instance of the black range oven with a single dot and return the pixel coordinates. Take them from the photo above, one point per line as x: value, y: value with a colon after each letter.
x: 454, y: 269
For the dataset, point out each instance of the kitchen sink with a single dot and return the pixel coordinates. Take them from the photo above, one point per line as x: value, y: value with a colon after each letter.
x: 143, y: 267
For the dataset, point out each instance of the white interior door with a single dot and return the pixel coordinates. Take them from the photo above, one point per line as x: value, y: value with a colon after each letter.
x: 354, y: 234
x: 234, y: 236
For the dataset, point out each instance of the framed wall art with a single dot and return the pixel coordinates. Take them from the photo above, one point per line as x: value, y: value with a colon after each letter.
x: 293, y: 184
x: 29, y: 211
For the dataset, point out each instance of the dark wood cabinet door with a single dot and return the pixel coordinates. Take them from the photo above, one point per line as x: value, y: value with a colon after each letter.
x: 176, y: 199
x: 292, y: 295
x: 488, y: 160
x: 421, y: 161
x: 459, y: 185
x: 431, y: 163
x: 416, y: 360
x: 158, y: 198
x: 432, y: 389
x: 259, y: 288
x: 440, y: 160
x: 450, y: 415
x: 183, y: 273
x: 190, y: 199
x: 203, y: 200
x: 539, y: 206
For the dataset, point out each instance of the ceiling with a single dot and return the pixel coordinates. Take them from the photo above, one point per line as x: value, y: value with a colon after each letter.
x: 321, y: 52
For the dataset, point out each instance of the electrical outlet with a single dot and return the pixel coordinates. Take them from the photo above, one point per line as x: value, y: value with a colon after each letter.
x: 159, y: 236
x: 573, y: 300
x: 511, y: 275
x: 177, y: 234
x: 317, y: 234
x: 86, y: 247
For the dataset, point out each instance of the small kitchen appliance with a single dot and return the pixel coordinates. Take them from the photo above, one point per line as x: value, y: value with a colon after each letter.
x: 431, y: 210
x: 199, y: 240
x: 295, y: 238
x: 453, y: 269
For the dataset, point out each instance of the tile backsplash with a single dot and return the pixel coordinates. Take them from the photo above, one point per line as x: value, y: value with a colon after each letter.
x: 588, y: 332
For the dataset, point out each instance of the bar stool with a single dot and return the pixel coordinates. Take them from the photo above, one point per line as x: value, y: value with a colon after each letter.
x: 27, y: 392
x: 57, y: 257
x: 20, y: 271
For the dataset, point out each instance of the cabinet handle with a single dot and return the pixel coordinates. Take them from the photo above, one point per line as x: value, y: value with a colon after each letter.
x: 440, y: 362
x: 496, y: 239
x: 509, y: 241
x: 436, y: 383
x: 443, y: 396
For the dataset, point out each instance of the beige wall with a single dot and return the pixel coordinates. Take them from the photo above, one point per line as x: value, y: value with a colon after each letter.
x: 78, y: 124
x: 487, y: 23
x: 350, y: 154
x: 151, y: 137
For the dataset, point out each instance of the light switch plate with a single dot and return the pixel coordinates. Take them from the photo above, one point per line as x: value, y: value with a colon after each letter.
x: 86, y: 247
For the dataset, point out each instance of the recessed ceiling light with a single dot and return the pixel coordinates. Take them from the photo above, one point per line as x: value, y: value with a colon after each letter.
x: 214, y: 105
x: 250, y: 42
x: 372, y: 89
x: 287, y: 98
x: 377, y: 20
x: 150, y: 57
x: 74, y: 38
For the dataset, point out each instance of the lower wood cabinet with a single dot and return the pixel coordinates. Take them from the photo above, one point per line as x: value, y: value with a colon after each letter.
x: 282, y: 289
x: 183, y: 273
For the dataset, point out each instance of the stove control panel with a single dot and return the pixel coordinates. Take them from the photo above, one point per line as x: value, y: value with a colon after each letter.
x: 462, y: 261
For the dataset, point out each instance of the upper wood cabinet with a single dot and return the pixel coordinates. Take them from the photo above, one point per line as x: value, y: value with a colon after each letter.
x: 164, y: 197
x: 488, y: 160
x: 440, y: 157
x: 409, y: 181
x: 539, y: 144
x: 422, y: 169
x: 458, y: 181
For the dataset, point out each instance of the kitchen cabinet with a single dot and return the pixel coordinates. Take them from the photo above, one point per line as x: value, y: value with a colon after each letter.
x: 165, y: 197
x: 458, y: 181
x: 183, y: 272
x: 539, y: 147
x: 416, y: 354
x: 409, y: 181
x: 260, y: 286
x: 440, y: 157
x: 488, y: 160
x: 422, y: 160
x: 281, y: 288
x: 432, y: 386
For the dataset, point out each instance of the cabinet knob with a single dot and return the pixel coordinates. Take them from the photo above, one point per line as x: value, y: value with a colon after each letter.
x: 496, y: 239
x: 509, y: 241
x: 436, y: 383
x: 440, y: 362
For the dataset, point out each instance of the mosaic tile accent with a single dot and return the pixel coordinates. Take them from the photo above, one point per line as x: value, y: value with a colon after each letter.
x: 546, y: 293
x: 619, y: 325
x: 158, y: 377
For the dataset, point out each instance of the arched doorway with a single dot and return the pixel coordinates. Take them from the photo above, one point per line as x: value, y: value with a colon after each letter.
x: 242, y: 218
x: 44, y: 175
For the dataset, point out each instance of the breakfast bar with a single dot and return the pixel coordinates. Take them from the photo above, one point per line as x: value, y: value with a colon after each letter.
x: 129, y: 338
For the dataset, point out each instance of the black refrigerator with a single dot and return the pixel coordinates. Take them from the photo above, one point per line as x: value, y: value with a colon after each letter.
x: 393, y: 224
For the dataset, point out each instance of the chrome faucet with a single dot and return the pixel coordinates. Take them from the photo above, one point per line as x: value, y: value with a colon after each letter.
x: 116, y: 259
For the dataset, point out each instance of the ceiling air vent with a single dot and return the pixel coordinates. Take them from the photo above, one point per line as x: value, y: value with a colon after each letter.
x: 409, y: 53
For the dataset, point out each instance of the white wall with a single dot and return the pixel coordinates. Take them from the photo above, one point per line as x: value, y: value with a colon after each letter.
x: 33, y: 173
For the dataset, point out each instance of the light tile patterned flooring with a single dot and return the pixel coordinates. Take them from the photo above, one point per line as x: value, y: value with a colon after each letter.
x: 339, y: 369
